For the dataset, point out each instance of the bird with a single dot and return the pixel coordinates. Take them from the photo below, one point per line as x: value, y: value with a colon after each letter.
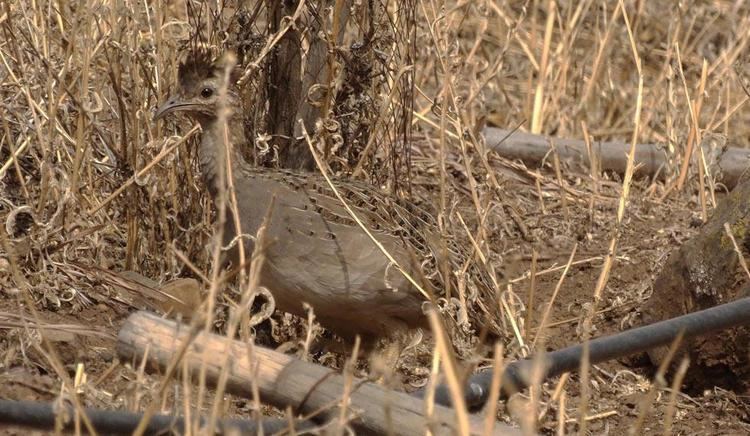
x: 316, y: 254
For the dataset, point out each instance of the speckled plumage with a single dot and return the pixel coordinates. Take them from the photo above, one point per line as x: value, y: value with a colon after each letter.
x: 316, y: 253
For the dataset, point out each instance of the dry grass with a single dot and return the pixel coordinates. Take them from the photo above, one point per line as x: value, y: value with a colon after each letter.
x: 87, y: 178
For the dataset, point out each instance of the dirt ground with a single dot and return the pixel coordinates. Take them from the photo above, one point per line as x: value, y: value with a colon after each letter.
x: 619, y: 389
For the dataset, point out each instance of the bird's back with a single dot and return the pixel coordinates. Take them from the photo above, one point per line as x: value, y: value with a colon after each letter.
x: 317, y: 253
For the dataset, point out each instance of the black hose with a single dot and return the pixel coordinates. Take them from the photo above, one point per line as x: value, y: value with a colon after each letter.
x: 42, y: 416
x: 516, y: 375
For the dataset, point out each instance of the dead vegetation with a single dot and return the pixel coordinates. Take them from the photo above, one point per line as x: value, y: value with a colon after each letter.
x: 90, y: 186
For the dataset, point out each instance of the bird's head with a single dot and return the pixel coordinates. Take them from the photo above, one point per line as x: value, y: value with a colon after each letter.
x: 200, y: 79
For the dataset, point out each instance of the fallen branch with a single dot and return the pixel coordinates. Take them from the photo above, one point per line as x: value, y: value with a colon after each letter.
x: 287, y: 382
x: 726, y: 164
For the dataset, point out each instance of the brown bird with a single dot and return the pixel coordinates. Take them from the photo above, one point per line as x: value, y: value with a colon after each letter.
x: 317, y: 253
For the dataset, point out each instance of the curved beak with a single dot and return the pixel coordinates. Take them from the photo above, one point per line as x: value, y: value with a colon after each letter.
x: 173, y: 104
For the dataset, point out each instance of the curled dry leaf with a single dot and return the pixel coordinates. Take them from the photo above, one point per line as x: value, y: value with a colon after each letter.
x: 18, y: 225
x: 19, y: 221
x: 266, y: 309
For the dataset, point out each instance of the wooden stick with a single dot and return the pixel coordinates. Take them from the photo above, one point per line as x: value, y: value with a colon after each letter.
x: 729, y: 164
x: 287, y: 382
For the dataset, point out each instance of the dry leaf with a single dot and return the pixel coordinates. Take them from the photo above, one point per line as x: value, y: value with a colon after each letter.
x: 183, y: 297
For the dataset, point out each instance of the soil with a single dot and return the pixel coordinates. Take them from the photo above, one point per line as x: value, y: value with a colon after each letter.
x: 618, y: 390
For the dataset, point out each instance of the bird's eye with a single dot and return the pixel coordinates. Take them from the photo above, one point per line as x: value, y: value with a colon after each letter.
x: 207, y: 92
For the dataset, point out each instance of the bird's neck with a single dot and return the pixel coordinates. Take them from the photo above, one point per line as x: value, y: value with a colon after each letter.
x: 218, y: 137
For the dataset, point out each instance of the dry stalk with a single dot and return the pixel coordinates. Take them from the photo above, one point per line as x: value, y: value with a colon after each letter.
x: 740, y: 256
x: 694, y: 132
x: 561, y: 415
x: 498, y: 366
x: 348, y: 381
x: 537, y: 113
x: 451, y: 372
x: 659, y: 382
x: 603, y: 48
x: 583, y: 403
x: 671, y: 409
x: 611, y: 253
x: 530, y: 301
x: 550, y: 303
